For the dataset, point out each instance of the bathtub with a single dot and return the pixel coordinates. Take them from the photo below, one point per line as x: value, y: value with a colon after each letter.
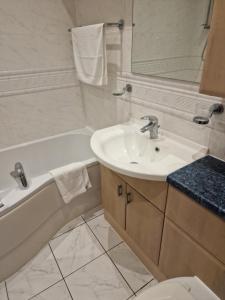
x: 30, y: 217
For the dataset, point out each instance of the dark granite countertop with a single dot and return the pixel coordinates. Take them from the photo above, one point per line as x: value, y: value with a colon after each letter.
x: 204, y: 181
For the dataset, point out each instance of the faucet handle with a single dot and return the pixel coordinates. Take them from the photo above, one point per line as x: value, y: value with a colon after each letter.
x: 150, y: 118
x: 146, y: 118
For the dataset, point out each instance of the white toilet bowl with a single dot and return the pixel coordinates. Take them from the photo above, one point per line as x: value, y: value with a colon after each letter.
x: 182, y: 288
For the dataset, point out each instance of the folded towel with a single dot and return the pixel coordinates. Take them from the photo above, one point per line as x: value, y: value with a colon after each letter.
x: 89, y: 50
x: 71, y: 180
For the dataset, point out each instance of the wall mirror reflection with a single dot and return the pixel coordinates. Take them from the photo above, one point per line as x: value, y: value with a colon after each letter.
x: 170, y: 37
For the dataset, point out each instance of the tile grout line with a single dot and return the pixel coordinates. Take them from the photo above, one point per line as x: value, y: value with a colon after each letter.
x: 110, y: 257
x: 63, y: 277
x: 144, y: 286
x: 81, y: 216
x: 121, y: 274
x: 66, y: 276
x: 92, y: 217
x: 7, y: 293
x: 45, y: 289
x: 106, y: 251
x: 60, y: 272
x: 52, y: 239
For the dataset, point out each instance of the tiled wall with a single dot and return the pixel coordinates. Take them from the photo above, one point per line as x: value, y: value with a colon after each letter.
x: 175, y: 103
x: 102, y: 109
x: 39, y: 92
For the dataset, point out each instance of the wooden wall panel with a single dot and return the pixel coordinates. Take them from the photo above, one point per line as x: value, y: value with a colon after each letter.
x: 213, y: 77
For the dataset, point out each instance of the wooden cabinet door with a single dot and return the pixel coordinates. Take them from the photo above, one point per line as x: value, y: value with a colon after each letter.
x: 181, y: 256
x: 113, y: 195
x: 153, y: 191
x: 144, y: 224
x: 213, y: 77
x: 206, y: 228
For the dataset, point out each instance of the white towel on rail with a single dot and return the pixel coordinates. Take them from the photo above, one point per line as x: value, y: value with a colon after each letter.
x: 71, y: 180
x: 89, y: 50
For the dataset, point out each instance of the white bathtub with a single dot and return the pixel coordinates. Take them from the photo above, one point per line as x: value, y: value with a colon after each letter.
x: 30, y: 217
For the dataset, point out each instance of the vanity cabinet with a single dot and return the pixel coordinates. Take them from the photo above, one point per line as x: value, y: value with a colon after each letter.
x: 114, y: 196
x: 203, y: 226
x: 144, y: 224
x: 213, y: 77
x: 153, y: 191
x: 137, y: 219
x: 173, y: 235
x: 193, y: 242
x: 182, y: 256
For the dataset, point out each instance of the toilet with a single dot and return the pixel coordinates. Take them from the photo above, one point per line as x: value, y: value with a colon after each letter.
x: 181, y: 288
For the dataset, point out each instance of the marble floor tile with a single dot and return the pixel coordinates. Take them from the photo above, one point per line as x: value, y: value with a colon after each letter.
x: 93, y: 213
x: 107, y: 236
x: 58, y: 291
x: 69, y: 226
x: 75, y: 248
x: 37, y: 275
x: 99, y: 280
x: 130, y: 266
x: 3, y: 293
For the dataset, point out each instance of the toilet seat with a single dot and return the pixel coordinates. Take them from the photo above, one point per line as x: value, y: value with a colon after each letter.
x: 166, y: 291
x: 181, y: 288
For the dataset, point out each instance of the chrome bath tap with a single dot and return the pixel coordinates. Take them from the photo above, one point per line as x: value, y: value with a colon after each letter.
x: 19, y: 175
x: 152, y: 126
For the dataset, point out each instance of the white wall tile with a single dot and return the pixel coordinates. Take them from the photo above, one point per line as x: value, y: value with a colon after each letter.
x: 100, y: 11
x: 175, y: 103
x: 217, y: 144
x: 34, y: 34
x: 35, y: 39
x: 32, y: 116
x: 39, y: 91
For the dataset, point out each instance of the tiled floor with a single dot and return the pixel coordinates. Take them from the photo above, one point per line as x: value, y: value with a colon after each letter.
x: 86, y: 260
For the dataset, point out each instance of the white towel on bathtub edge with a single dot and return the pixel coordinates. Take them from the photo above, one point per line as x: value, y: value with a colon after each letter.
x: 72, y: 180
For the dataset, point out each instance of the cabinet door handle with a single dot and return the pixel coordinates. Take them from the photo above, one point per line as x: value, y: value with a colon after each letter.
x: 129, y: 198
x: 120, y: 190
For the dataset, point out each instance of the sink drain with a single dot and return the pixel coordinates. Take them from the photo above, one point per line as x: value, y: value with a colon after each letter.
x: 134, y: 162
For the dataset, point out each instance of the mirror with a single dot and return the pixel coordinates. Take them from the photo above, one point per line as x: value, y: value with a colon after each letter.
x: 170, y: 37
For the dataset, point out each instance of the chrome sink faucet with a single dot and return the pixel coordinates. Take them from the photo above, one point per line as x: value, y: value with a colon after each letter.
x: 152, y: 126
x: 19, y: 175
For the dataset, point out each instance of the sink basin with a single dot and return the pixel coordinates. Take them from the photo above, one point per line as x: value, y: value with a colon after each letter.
x: 124, y: 149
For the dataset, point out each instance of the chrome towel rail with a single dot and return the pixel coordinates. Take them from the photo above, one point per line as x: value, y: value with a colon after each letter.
x: 119, y: 24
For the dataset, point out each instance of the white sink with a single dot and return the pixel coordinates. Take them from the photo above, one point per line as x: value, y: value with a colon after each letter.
x: 124, y: 149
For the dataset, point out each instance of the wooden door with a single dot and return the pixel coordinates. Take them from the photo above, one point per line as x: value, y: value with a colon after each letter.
x: 113, y: 195
x: 144, y: 224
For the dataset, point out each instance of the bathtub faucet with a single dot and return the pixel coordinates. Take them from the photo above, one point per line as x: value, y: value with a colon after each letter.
x: 19, y: 175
